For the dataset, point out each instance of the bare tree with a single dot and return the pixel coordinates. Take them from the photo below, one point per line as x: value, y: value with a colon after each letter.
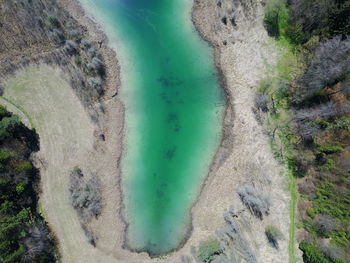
x: 70, y: 47
x: 85, y: 195
x: 330, y: 65
x: 331, y: 251
x: 257, y: 202
x: 36, y: 241
x: 325, y: 223
x: 261, y: 102
x: 310, y: 14
x: 324, y: 111
x: 232, y: 239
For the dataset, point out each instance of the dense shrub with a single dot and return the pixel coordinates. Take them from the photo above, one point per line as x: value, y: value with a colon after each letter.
x: 8, y: 126
x: 306, y: 18
x: 57, y: 35
x: 86, y: 44
x: 311, y: 254
x: 275, y: 13
x: 330, y: 65
x: 332, y: 252
x: 92, y: 52
x: 74, y: 34
x: 310, y: 15
x: 37, y: 241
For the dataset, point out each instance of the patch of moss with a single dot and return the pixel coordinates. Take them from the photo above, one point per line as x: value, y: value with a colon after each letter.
x: 208, y: 250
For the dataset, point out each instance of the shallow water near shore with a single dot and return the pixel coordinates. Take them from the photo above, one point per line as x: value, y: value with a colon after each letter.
x: 174, y: 111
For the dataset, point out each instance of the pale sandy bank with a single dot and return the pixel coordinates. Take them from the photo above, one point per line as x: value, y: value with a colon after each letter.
x: 242, y: 54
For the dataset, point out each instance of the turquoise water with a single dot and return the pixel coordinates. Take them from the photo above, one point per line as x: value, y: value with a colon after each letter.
x: 174, y: 109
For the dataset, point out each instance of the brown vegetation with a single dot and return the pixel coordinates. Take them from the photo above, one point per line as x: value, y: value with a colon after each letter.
x: 42, y: 31
x: 85, y: 195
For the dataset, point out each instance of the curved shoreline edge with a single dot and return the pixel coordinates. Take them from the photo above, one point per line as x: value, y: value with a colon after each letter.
x: 223, y: 152
x: 225, y: 145
x: 226, y: 142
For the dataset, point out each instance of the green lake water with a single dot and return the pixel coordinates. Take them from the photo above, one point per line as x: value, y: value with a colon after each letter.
x: 174, y: 111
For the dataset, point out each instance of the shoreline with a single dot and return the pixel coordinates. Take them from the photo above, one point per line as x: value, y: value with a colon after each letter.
x: 199, y: 229
x: 220, y: 153
x: 243, y: 55
x: 112, y: 89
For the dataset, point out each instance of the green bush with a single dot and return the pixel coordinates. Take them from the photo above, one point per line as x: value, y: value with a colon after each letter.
x: 275, y: 18
x: 310, y: 211
x: 20, y: 188
x: 6, y: 155
x: 294, y: 32
x: 4, y: 112
x: 328, y: 166
x: 342, y: 123
x: 24, y: 166
x: 311, y: 254
x: 8, y: 126
x: 330, y: 201
x: 53, y: 21
x: 273, y: 235
x: 208, y: 249
x: 331, y: 149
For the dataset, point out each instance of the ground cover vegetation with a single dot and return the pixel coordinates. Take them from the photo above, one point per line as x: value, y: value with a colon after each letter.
x: 24, y: 235
x: 305, y: 107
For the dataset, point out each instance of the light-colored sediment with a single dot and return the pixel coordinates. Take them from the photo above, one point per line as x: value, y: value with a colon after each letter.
x: 244, y: 54
x: 69, y: 138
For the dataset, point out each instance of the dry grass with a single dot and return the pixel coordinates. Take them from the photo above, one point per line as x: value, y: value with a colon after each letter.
x: 66, y: 137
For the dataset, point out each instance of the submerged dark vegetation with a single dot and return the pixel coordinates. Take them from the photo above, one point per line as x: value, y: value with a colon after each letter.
x: 306, y: 108
x: 24, y: 235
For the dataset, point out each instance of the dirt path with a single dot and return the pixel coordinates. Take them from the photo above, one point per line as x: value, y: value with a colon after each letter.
x: 66, y: 138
